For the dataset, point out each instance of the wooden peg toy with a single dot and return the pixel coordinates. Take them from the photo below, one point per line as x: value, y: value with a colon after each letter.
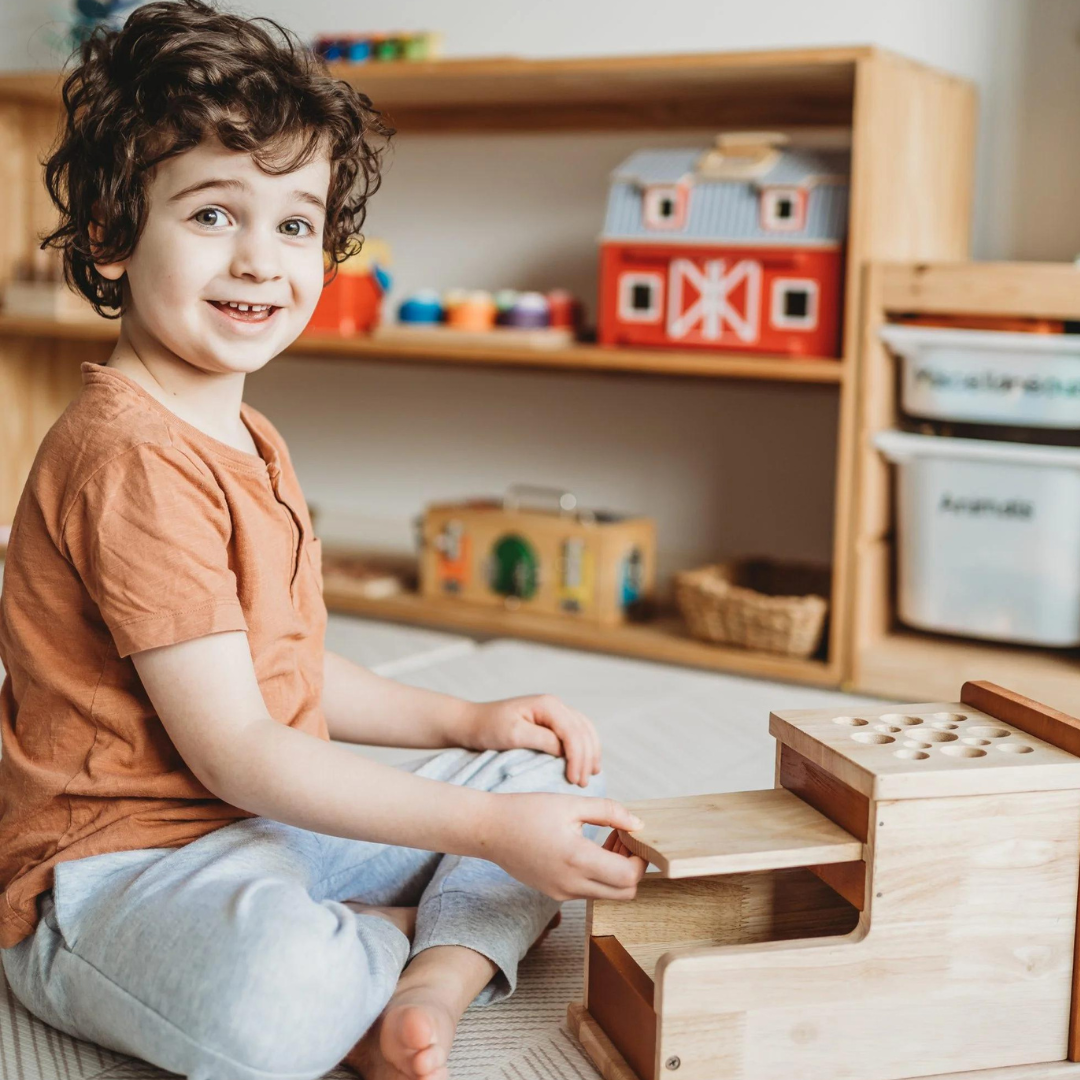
x: 902, y: 904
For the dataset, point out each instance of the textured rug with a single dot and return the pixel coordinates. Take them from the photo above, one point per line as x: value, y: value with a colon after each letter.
x: 666, y: 731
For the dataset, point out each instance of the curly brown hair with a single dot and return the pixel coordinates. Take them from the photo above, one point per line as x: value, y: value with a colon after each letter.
x: 178, y: 72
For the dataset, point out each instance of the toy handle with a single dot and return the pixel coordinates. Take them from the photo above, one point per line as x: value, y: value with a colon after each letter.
x: 565, y: 500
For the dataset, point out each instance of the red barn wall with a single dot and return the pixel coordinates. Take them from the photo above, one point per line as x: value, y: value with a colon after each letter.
x: 823, y: 266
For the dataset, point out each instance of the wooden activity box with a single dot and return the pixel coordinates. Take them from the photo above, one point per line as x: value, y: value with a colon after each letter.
x: 590, y: 565
x: 903, y: 903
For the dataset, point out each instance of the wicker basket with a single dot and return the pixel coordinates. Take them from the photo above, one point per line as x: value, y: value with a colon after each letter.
x: 756, y: 603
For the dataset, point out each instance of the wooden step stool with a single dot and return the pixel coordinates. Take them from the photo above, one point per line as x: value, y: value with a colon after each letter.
x: 902, y: 904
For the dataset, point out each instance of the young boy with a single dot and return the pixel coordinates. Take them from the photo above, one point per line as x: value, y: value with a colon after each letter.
x: 192, y: 873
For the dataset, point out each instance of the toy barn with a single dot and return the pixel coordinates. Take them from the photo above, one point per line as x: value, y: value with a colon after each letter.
x: 736, y: 247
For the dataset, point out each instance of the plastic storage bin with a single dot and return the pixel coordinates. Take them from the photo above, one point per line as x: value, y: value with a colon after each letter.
x: 988, y: 376
x: 988, y: 537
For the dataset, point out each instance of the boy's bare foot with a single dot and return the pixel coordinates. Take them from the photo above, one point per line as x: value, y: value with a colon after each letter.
x: 412, y: 1037
x: 404, y: 918
x: 411, y: 1040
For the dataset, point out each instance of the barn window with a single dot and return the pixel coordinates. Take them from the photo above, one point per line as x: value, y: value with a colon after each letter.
x: 664, y: 206
x: 783, y: 209
x: 641, y: 297
x: 794, y: 304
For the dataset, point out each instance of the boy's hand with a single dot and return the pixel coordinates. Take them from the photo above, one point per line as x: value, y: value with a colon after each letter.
x: 614, y: 842
x: 536, y: 837
x: 536, y: 722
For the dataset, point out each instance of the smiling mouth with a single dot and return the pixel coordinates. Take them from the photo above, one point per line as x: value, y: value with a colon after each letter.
x: 244, y: 312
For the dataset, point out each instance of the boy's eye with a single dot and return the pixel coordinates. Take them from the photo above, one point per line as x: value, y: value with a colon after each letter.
x: 206, y: 210
x: 299, y: 221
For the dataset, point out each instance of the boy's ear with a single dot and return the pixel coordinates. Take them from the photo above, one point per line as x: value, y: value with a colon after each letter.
x: 114, y: 270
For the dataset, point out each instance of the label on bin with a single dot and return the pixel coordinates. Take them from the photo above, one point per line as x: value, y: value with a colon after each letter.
x: 957, y: 384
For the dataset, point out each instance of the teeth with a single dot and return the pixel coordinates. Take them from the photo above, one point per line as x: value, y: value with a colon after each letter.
x: 247, y: 307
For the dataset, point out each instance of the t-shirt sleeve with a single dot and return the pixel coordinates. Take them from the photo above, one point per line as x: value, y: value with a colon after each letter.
x: 148, y: 534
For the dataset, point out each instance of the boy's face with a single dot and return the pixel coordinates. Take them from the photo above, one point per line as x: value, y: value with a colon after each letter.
x: 251, y: 238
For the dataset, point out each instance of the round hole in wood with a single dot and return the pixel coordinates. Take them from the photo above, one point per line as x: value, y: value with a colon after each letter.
x: 963, y: 751
x: 1015, y: 748
x: 914, y: 744
x: 951, y: 717
x: 911, y: 755
x: 976, y: 742
x: 851, y: 721
x: 872, y: 737
x: 989, y: 732
x: 901, y: 719
x: 891, y: 728
x: 938, y: 736
x: 942, y: 725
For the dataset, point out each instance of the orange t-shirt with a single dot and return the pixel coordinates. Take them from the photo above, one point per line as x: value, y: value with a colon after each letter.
x: 135, y: 529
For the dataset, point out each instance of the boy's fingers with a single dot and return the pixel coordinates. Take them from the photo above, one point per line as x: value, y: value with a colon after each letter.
x: 636, y: 862
x: 612, y: 869
x: 581, y: 760
x: 601, y: 889
x: 537, y: 737
x: 573, y: 767
x: 608, y: 812
x: 590, y: 741
x: 581, y: 755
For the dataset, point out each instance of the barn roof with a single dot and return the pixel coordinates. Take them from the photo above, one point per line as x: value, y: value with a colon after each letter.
x: 729, y: 209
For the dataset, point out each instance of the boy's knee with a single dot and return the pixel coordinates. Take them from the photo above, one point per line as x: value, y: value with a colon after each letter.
x: 302, y: 993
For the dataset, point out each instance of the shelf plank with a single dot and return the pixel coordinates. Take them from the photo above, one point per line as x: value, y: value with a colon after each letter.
x: 735, y: 833
x: 713, y: 90
x: 664, y: 640
x: 575, y: 358
x: 909, y: 665
x: 1031, y: 289
x: 589, y: 358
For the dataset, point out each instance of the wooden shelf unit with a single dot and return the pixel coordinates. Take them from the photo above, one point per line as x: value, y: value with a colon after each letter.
x: 887, y: 658
x: 663, y: 639
x: 510, y: 94
x: 580, y: 358
x: 912, y: 132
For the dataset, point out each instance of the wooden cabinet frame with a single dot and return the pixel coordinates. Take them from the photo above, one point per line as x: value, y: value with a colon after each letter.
x: 912, y: 135
x: 887, y: 658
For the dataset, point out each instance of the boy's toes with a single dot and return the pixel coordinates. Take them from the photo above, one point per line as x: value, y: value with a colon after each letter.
x: 428, y: 1061
x: 416, y: 1035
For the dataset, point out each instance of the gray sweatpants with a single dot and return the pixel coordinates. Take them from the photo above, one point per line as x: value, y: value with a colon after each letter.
x: 233, y: 958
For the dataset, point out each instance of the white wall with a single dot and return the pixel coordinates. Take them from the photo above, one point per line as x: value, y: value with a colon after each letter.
x: 725, y: 468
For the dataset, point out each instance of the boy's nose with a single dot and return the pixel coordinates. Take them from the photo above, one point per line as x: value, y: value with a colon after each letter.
x: 256, y: 257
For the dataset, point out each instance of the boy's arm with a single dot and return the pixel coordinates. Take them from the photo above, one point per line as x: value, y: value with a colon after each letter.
x: 363, y: 707
x: 207, y: 696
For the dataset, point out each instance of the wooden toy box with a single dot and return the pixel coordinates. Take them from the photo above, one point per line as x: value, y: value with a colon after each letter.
x: 591, y: 566
x: 903, y: 903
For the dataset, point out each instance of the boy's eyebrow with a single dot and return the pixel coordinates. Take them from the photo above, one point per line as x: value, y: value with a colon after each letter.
x: 240, y: 185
